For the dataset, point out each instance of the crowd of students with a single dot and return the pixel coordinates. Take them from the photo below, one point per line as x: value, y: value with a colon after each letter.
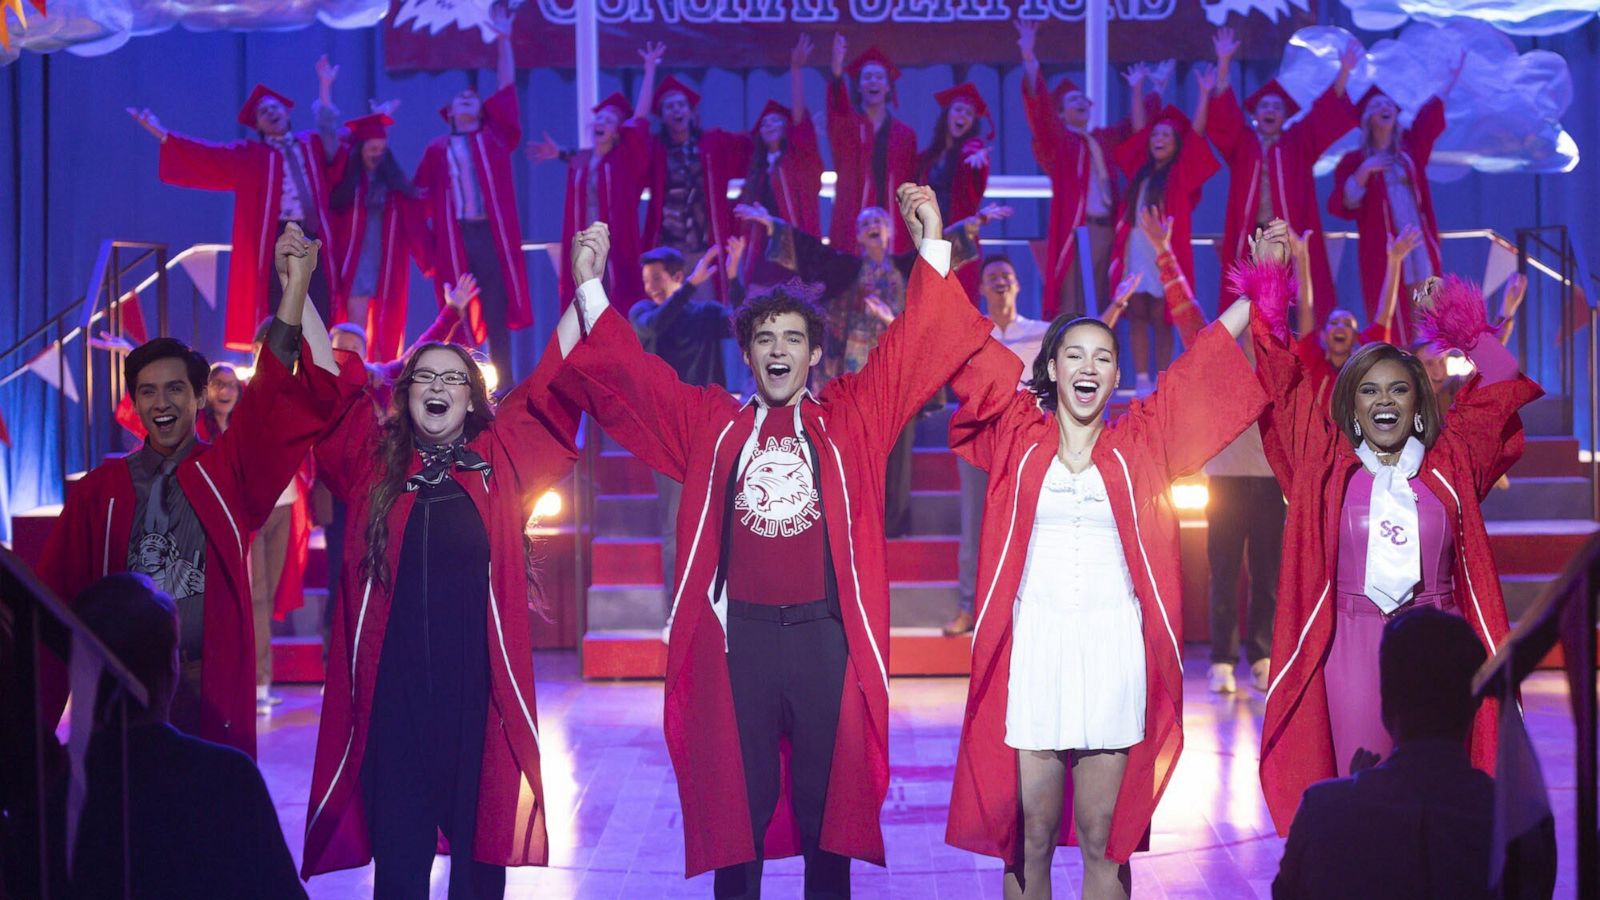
x: 776, y: 508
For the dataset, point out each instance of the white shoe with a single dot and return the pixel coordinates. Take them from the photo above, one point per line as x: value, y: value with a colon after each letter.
x: 1261, y: 671
x: 1221, y: 679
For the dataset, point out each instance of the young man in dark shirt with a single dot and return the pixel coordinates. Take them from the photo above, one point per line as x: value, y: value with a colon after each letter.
x: 687, y: 334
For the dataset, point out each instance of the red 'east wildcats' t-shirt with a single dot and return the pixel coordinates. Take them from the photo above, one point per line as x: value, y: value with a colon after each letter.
x: 775, y: 551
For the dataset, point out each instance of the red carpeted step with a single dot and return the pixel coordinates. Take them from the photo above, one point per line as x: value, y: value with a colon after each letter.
x: 618, y: 472
x: 638, y: 560
x: 1549, y: 457
x: 297, y: 660
x: 934, y: 469
x: 1536, y: 546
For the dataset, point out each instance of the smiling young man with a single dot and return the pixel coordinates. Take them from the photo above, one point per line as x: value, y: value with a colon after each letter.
x: 781, y: 615
x: 276, y: 178
x: 181, y: 510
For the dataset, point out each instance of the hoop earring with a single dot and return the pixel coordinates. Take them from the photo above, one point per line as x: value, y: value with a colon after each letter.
x: 1416, y: 422
x: 1357, y: 424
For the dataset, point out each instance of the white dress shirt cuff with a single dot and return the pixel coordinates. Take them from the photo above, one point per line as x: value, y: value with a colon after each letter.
x: 935, y: 252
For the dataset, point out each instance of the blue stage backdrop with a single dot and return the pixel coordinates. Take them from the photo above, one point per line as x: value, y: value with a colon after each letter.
x: 80, y: 171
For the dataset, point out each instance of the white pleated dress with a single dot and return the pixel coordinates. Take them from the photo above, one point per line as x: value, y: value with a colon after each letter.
x: 1077, y: 678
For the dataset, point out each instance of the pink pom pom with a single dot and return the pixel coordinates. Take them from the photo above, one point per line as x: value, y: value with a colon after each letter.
x: 1457, y: 316
x: 1270, y: 287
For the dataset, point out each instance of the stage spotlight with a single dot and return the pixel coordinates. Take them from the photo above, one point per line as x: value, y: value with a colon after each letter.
x: 1190, y: 497
x: 548, y: 506
x: 244, y: 373
x: 491, y: 376
x: 1456, y: 364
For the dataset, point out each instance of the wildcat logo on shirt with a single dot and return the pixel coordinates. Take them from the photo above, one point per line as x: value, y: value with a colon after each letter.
x: 776, y: 496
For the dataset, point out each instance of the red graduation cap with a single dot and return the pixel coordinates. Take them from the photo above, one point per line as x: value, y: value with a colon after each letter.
x: 369, y: 127
x: 772, y: 107
x: 1372, y: 94
x: 967, y: 91
x: 874, y: 55
x: 670, y: 85
x: 1173, y: 116
x: 247, y: 113
x: 1064, y: 87
x: 616, y: 102
x: 1270, y: 89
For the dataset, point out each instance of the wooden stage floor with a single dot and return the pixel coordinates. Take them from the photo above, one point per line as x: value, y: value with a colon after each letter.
x: 615, y: 830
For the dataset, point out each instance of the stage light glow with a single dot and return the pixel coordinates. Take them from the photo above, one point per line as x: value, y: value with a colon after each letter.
x: 548, y: 506
x: 1190, y: 497
x: 491, y: 375
x: 244, y: 373
x: 1458, y: 365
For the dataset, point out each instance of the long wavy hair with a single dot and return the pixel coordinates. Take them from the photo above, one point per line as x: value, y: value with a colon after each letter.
x: 388, y: 170
x: 1155, y: 174
x: 397, y: 445
x: 943, y: 142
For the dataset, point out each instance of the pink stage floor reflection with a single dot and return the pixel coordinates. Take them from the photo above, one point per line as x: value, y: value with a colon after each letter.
x: 615, y: 830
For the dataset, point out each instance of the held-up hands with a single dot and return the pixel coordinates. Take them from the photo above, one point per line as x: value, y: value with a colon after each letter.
x: 1156, y: 227
x: 755, y: 213
x: 652, y: 53
x: 1399, y: 246
x: 544, y: 150
x: 920, y: 210
x: 294, y: 257
x: 840, y: 48
x: 590, y: 247
x: 706, y: 266
x: 801, y: 52
x: 1027, y: 36
x: 1271, y: 244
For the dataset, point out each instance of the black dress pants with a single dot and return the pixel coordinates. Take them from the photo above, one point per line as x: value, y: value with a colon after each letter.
x: 1245, y: 515
x: 787, y: 680
x: 493, y: 293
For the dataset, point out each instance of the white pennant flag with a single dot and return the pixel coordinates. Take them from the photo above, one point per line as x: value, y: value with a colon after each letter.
x: 49, y: 365
x: 1501, y: 264
x: 202, y: 269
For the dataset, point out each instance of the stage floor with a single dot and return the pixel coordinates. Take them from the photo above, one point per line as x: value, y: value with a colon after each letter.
x: 615, y: 830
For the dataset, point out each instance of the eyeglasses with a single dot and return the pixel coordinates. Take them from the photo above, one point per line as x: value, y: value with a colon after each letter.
x: 427, y: 376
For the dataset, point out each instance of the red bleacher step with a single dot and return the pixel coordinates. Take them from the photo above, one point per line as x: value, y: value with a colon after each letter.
x: 297, y: 660
x: 1547, y: 457
x: 618, y: 472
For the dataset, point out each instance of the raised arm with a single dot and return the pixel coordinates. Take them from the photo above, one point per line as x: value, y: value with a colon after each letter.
x: 1181, y: 306
x: 635, y: 396
x: 651, y: 54
x: 325, y: 110
x: 192, y: 163
x: 986, y: 392
x: 1396, y: 250
x: 797, y: 82
x: 1332, y: 115
x: 1484, y: 429
x: 1227, y: 126
x: 1305, y: 301
x: 537, y: 428
x: 1205, y: 78
x: 1510, y: 301
x: 1135, y: 76
x: 505, y: 63
x: 939, y: 329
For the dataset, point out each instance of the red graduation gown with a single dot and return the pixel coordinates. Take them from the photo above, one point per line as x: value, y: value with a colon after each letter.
x: 232, y: 485
x: 1314, y: 461
x: 620, y: 180
x: 1289, y: 176
x: 253, y: 171
x: 1172, y: 433
x: 405, y: 237
x: 530, y: 446
x: 851, y: 136
x: 724, y: 156
x: 492, y: 146
x: 695, y: 435
x: 1066, y: 160
x: 1192, y: 167
x: 1373, y: 218
x: 796, y: 182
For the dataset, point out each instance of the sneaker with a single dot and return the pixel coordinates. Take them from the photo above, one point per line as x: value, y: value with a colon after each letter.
x: 1221, y: 680
x: 961, y: 624
x: 1261, y: 672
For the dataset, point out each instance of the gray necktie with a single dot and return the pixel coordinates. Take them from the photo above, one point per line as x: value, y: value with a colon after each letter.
x: 157, y: 511
x: 308, y: 201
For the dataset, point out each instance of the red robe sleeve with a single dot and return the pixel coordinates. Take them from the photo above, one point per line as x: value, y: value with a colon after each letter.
x: 414, y: 232
x: 918, y: 353
x: 280, y: 414
x: 1483, y: 431
x: 1330, y: 118
x: 1049, y: 135
x: 1347, y: 166
x: 349, y: 447
x: 841, y: 117
x: 636, y: 397
x: 1295, y: 425
x: 1195, y: 163
x: 986, y: 394
x: 536, y: 429
x: 633, y: 142
x: 1425, y: 130
x: 966, y: 190
x: 502, y: 118
x: 1130, y: 154
x: 1201, y: 403
x: 192, y: 163
x: 1181, y: 307
x: 1373, y: 334
x: 1225, y: 124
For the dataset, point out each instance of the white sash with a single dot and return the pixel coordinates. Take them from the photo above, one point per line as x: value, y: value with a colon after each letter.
x: 1394, y: 544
